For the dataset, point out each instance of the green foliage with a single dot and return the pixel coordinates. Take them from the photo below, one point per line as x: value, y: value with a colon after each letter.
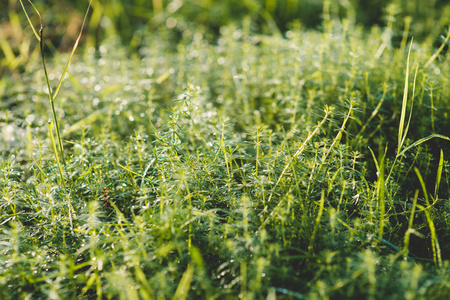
x: 218, y: 161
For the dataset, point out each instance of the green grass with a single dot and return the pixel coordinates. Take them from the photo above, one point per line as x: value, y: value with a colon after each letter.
x: 308, y: 165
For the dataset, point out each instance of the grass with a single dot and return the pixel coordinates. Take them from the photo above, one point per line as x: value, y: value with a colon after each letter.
x: 309, y: 165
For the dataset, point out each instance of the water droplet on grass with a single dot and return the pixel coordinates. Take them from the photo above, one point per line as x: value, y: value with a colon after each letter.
x: 103, y: 49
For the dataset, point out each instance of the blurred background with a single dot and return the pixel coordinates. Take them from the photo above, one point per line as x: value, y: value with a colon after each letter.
x: 131, y: 20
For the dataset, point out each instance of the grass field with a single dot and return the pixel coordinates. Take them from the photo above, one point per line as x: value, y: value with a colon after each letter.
x: 225, y: 151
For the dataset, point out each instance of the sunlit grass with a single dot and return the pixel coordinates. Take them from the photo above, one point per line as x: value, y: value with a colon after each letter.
x: 252, y: 166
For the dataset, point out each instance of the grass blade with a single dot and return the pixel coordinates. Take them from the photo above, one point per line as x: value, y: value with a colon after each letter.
x: 422, y: 140
x: 438, y: 176
x: 50, y: 96
x: 434, y: 240
x: 410, y: 224
x: 29, y: 21
x: 381, y: 193
x: 55, y: 151
x: 184, y: 286
x: 404, y: 104
x: 412, y: 104
x: 73, y: 51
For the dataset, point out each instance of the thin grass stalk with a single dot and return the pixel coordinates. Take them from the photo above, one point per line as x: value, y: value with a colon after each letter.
x: 410, y: 224
x: 61, y: 173
x: 52, y: 103
x: 28, y: 18
x: 52, y: 96
x: 228, y: 163
x: 39, y: 37
x: 407, y: 20
x: 434, y: 239
x: 432, y: 111
x: 341, y: 130
x: 316, y: 226
x: 381, y: 188
x: 258, y: 148
x: 335, y: 141
x: 433, y: 57
x: 60, y: 167
x: 6, y: 196
x: 328, y: 111
x: 73, y: 51
x: 374, y: 113
x: 190, y: 207
x: 224, y: 152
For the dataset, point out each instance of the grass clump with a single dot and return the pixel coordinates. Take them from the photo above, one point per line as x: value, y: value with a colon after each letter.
x: 306, y: 166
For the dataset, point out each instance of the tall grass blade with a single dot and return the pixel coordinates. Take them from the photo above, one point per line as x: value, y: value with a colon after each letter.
x: 381, y: 194
x: 184, y: 286
x: 28, y: 18
x: 438, y: 175
x: 412, y: 104
x: 404, y: 104
x: 73, y: 50
x: 422, y: 140
x: 50, y: 95
x: 55, y: 151
x: 434, y: 240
